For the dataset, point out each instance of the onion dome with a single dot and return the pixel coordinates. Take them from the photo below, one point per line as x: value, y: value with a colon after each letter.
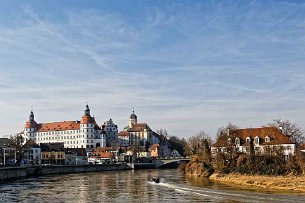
x: 87, y: 117
x: 31, y: 123
x: 133, y: 116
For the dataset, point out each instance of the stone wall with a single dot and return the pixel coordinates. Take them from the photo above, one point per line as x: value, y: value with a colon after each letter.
x: 13, y: 173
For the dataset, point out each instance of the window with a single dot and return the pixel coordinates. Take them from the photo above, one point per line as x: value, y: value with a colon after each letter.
x: 237, y: 141
x: 248, y: 140
x: 256, y: 140
x: 229, y: 141
x: 267, y: 139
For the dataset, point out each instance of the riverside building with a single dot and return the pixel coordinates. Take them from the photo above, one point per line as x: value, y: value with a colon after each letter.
x: 111, y: 132
x: 135, y: 134
x: 74, y: 134
x: 266, y: 140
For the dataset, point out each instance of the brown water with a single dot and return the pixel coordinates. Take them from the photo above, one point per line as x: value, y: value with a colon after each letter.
x: 132, y: 186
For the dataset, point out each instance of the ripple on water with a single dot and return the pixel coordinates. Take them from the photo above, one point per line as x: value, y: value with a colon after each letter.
x: 131, y: 186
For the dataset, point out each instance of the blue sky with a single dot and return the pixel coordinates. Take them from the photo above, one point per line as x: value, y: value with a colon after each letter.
x: 184, y: 66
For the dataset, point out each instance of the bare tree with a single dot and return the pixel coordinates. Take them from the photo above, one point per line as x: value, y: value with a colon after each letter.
x: 162, y: 132
x: 199, y: 147
x: 292, y: 130
x: 223, y: 131
x: 16, y: 141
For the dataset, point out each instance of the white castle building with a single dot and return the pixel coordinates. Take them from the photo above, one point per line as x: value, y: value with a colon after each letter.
x: 74, y: 134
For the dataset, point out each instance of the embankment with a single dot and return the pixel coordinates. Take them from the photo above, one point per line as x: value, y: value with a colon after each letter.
x: 295, y: 183
x: 13, y: 173
x: 198, y: 169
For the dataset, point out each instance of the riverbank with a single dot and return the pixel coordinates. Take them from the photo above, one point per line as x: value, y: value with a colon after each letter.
x: 295, y: 183
x: 14, y: 173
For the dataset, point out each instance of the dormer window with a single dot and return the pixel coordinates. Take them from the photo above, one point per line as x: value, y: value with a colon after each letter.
x: 256, y: 140
x: 229, y: 141
x: 248, y: 140
x: 267, y: 139
x: 237, y: 141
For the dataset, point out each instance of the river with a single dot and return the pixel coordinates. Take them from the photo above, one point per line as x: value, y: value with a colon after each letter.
x: 132, y: 186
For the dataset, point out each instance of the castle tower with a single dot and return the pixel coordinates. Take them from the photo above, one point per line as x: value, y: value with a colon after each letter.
x: 91, y: 135
x: 29, y: 128
x: 133, y: 119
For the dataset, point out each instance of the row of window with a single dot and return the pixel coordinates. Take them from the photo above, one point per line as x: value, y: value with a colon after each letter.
x: 52, y: 156
x: 65, y: 132
x: 76, y: 142
x: 86, y: 125
x: 81, y: 146
x: 68, y: 137
x: 256, y: 140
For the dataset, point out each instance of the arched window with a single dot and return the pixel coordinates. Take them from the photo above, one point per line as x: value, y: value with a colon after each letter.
x: 248, y: 140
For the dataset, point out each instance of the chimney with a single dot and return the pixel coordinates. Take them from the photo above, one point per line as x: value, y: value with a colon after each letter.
x: 228, y: 132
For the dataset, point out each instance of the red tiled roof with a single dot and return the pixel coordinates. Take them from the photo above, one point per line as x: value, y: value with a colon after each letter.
x: 58, y: 126
x: 123, y: 133
x: 154, y: 146
x: 30, y: 124
x: 87, y: 119
x: 275, y: 135
x: 139, y: 127
x: 103, y: 155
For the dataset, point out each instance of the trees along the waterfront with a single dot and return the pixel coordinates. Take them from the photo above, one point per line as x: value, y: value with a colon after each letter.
x: 16, y: 142
x: 198, y: 147
x: 226, y: 159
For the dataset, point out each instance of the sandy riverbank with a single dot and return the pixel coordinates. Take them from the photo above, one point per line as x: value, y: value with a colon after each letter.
x: 296, y: 183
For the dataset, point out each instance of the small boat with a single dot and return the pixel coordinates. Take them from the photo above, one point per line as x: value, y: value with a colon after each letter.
x: 155, y: 179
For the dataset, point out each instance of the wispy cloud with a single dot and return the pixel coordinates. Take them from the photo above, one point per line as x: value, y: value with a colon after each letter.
x: 184, y: 67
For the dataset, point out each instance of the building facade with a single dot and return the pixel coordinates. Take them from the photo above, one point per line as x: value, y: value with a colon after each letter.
x: 52, y: 153
x: 32, y: 154
x: 136, y: 134
x: 74, y: 134
x: 111, y: 132
x: 265, y: 140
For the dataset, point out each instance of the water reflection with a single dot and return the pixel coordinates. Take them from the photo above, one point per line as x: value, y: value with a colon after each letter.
x: 132, y: 186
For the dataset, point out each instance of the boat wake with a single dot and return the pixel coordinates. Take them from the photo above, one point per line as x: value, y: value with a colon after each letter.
x: 221, y: 195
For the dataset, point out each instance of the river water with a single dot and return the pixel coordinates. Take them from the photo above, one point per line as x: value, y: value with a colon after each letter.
x: 132, y: 186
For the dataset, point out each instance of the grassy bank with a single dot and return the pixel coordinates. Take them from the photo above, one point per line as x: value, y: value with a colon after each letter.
x: 296, y: 183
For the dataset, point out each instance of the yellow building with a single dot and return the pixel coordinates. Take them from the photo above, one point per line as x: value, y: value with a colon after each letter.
x: 52, y: 153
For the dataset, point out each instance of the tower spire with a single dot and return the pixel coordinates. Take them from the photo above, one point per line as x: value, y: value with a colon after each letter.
x: 87, y: 110
x: 31, y: 117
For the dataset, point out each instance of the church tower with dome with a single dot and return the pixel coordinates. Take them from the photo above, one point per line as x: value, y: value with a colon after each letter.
x: 133, y: 119
x: 137, y: 134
